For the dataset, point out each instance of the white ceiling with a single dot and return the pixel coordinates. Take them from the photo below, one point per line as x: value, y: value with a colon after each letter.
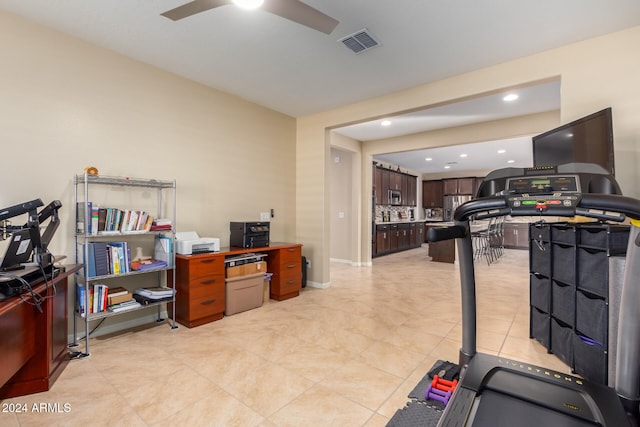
x: 479, y: 156
x: 290, y: 68
x: 298, y: 71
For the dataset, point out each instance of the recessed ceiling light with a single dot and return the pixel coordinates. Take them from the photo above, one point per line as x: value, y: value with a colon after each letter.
x: 248, y: 4
x: 511, y: 161
x: 386, y: 123
x: 428, y: 159
x: 510, y: 97
x: 447, y: 167
x: 502, y: 151
x: 463, y: 155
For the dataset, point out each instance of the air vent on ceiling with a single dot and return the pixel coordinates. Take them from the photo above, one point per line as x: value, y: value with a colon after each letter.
x: 360, y: 41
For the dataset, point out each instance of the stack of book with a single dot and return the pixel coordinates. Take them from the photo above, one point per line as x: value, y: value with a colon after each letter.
x: 147, y: 264
x: 153, y: 295
x: 160, y: 224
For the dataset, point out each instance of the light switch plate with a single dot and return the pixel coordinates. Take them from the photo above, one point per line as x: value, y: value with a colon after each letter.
x: 265, y: 216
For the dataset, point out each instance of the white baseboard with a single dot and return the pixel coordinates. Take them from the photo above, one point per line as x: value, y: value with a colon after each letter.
x: 317, y: 285
x: 351, y: 263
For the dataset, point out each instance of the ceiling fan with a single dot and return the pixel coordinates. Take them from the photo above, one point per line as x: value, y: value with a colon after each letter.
x: 293, y: 10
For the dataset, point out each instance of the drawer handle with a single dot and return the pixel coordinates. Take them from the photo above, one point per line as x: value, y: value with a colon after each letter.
x: 208, y: 282
x: 207, y: 261
x: 292, y: 265
x: 291, y: 249
x: 291, y: 282
x: 207, y: 302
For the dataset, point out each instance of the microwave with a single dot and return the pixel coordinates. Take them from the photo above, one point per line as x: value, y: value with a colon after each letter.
x: 395, y: 197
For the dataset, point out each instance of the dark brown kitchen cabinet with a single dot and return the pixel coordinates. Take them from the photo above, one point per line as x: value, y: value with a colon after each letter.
x: 458, y: 186
x: 394, y: 237
x: 403, y: 236
x: 432, y: 194
x: 477, y: 182
x: 386, y: 179
x: 410, y: 190
x: 413, y: 235
x: 383, y: 239
x: 395, y: 181
x: 377, y: 184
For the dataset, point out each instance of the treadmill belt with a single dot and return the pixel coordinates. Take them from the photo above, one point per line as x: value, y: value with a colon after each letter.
x: 500, y: 410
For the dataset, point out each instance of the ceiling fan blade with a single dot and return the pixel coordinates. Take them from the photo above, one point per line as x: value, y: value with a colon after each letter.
x: 295, y: 10
x: 193, y: 7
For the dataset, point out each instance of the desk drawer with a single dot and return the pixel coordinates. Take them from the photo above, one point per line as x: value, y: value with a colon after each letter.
x: 205, y: 284
x: 206, y: 301
x: 291, y: 256
x: 205, y: 266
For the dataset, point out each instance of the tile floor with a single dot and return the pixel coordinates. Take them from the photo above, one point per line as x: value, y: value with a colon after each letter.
x: 343, y: 356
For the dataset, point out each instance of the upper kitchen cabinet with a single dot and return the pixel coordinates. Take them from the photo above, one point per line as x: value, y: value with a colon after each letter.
x: 386, y: 179
x: 413, y: 190
x: 458, y: 186
x: 381, y: 183
x: 432, y: 194
x: 395, y: 181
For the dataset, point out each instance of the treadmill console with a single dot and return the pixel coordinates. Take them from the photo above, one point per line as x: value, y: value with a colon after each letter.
x: 549, y: 194
x: 544, y: 191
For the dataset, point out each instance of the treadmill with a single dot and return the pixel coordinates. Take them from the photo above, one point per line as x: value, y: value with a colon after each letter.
x: 495, y: 391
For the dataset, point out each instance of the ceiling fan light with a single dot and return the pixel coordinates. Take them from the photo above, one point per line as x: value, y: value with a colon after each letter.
x: 248, y: 4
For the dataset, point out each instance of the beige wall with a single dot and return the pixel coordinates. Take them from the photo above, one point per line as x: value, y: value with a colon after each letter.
x: 66, y: 104
x: 594, y: 74
x: 74, y: 104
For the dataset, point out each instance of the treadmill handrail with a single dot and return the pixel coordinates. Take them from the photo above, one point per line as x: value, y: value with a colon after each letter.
x: 609, y: 202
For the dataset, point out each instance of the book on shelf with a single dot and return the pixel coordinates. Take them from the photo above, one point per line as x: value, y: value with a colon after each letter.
x: 95, y: 215
x: 160, y: 224
x: 119, y: 299
x: 81, y: 301
x: 147, y: 264
x: 117, y: 291
x: 97, y: 261
x: 100, y: 297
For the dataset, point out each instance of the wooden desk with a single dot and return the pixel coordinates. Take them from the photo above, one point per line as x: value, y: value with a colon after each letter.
x: 200, y: 280
x: 33, y: 345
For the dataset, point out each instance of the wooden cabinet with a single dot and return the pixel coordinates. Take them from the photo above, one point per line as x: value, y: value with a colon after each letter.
x: 381, y: 183
x: 516, y: 235
x: 200, y: 287
x: 458, y: 186
x: 398, y: 237
x: 411, y: 190
x: 477, y: 182
x: 394, y: 237
x: 432, y: 194
x: 33, y: 343
x: 395, y: 180
x: 413, y: 235
x: 386, y: 179
x: 383, y: 239
x: 286, y: 265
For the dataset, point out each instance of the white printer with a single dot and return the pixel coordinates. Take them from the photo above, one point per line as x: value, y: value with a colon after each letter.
x: 189, y: 243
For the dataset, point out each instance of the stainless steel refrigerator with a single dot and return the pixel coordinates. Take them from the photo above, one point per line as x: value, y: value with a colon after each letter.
x: 451, y: 203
